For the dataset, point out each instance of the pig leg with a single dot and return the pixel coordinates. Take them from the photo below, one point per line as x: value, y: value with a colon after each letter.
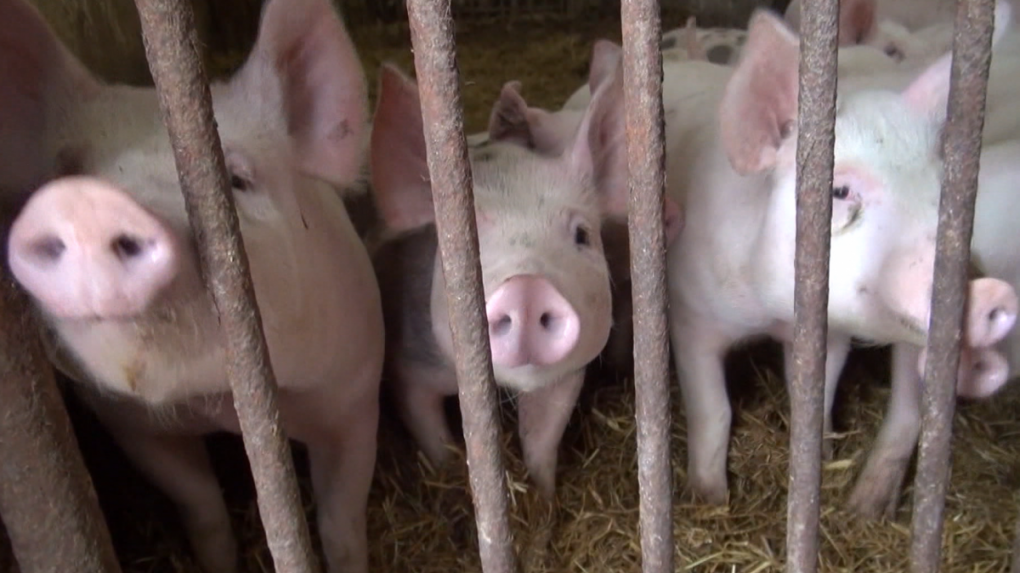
x: 180, y: 467
x: 699, y: 352
x: 877, y: 490
x: 419, y: 392
x: 836, y: 351
x: 543, y: 415
x: 342, y: 461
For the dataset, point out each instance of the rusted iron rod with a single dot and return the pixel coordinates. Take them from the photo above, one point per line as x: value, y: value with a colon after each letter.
x: 646, y: 163
x: 47, y: 501
x: 961, y: 151
x: 816, y: 137
x: 435, y: 63
x: 186, y: 103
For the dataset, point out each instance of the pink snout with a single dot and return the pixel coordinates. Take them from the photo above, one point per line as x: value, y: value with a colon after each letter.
x: 982, y: 372
x: 992, y: 312
x: 530, y: 323
x: 84, y: 249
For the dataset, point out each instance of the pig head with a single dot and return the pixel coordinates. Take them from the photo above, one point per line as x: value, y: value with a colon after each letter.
x: 105, y: 249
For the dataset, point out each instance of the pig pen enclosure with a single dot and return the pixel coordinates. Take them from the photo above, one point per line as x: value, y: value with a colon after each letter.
x: 422, y: 519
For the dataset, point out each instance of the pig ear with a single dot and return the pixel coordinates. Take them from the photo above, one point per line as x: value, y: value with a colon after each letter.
x: 400, y: 174
x: 37, y: 73
x: 759, y: 104
x: 928, y: 94
x: 599, y: 148
x: 304, y: 44
x: 695, y: 51
x: 605, y: 55
x: 856, y: 21
x: 509, y: 118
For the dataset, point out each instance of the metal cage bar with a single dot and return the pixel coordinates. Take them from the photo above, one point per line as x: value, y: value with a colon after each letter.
x: 171, y: 47
x: 961, y: 150
x: 646, y: 165
x: 435, y: 62
x: 47, y: 501
x: 816, y: 138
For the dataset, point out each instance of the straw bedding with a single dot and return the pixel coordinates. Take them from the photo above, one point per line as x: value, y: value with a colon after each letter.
x: 421, y: 520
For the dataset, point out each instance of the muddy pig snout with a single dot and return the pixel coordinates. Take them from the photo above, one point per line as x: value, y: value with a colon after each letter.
x: 85, y: 249
x: 530, y: 323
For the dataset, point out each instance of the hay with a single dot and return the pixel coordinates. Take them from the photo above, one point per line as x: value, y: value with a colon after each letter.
x: 420, y: 518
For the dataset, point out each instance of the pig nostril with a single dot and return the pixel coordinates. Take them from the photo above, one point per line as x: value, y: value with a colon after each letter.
x: 126, y: 247
x: 48, y: 249
x: 502, y: 326
x: 545, y: 320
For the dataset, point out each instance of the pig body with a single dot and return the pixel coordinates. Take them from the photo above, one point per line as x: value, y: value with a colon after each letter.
x: 105, y: 249
x: 545, y: 278
x: 731, y: 269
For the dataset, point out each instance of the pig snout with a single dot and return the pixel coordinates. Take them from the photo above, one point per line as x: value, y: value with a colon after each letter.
x: 992, y: 311
x: 982, y: 372
x: 85, y: 249
x: 530, y: 323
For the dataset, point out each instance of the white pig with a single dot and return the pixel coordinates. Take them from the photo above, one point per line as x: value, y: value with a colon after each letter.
x: 993, y: 245
x: 106, y: 252
x: 912, y: 14
x: 731, y: 268
x: 545, y: 278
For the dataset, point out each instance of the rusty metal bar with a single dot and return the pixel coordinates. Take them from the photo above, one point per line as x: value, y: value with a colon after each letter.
x: 171, y: 48
x: 816, y: 137
x: 646, y: 163
x: 435, y: 63
x: 965, y: 122
x: 48, y: 504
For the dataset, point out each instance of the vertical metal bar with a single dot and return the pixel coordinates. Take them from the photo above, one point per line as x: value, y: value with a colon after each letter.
x: 48, y: 504
x: 816, y: 137
x: 186, y: 103
x: 435, y: 63
x: 646, y: 164
x: 965, y: 122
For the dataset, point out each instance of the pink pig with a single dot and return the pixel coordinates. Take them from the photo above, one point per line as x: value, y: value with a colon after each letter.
x: 546, y: 282
x: 105, y: 250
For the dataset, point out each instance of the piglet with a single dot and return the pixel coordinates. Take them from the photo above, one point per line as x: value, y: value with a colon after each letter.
x: 105, y: 250
x: 512, y: 120
x: 545, y: 278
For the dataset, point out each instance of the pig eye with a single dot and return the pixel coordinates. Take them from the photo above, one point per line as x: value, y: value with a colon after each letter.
x: 893, y: 52
x: 581, y: 236
x: 841, y: 192
x: 239, y: 183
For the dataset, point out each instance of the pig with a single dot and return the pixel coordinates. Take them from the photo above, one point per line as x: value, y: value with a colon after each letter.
x: 716, y: 45
x: 512, y: 120
x: 105, y: 250
x: 993, y: 245
x: 912, y: 14
x: 731, y: 268
x: 544, y: 272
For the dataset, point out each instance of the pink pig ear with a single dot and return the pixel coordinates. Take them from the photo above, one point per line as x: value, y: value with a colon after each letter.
x: 759, y: 104
x: 509, y: 118
x: 303, y: 51
x: 400, y: 174
x: 599, y: 148
x: 928, y: 94
x: 605, y: 56
x: 37, y: 75
x: 856, y: 21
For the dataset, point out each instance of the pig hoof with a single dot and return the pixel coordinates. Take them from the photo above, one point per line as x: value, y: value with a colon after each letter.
x: 709, y: 492
x: 877, y: 492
